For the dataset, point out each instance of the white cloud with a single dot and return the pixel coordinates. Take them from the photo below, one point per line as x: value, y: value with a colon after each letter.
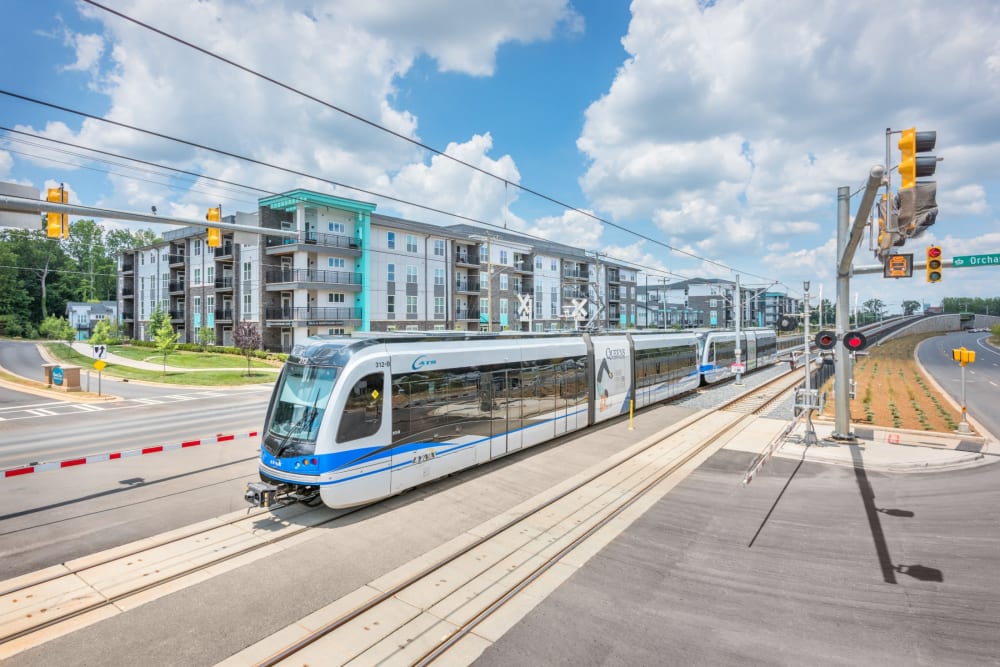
x: 89, y: 49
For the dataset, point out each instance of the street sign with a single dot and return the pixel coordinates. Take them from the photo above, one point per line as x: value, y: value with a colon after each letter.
x: 737, y: 368
x: 100, y: 351
x: 992, y: 259
x: 100, y: 365
x: 898, y: 266
x: 57, y: 375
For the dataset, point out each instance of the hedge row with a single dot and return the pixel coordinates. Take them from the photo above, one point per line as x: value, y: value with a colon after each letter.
x: 218, y: 349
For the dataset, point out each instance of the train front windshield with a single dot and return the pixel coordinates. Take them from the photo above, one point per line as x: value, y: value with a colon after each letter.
x: 300, y: 399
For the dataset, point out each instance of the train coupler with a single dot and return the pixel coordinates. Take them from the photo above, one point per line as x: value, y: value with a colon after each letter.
x: 260, y: 494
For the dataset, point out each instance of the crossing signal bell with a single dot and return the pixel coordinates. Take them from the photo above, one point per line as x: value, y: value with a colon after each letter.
x: 214, y: 233
x: 855, y: 341
x: 56, y: 223
x: 934, y: 264
x: 787, y: 323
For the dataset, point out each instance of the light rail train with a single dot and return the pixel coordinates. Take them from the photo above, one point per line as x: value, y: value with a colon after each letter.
x: 354, y: 419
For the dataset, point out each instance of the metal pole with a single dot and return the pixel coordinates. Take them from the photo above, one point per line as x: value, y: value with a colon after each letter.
x: 739, y: 348
x: 842, y: 359
x: 963, y: 427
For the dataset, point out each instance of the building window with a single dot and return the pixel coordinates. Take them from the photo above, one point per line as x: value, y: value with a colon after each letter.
x: 197, y: 277
x: 197, y: 304
x: 247, y: 306
x: 503, y: 257
x: 210, y: 275
x: 335, y: 298
x: 439, y: 277
x: 439, y: 305
x: 197, y: 247
x: 503, y: 306
x: 439, y: 248
x: 411, y: 243
x: 335, y: 262
x: 247, y: 271
x: 503, y: 281
x: 336, y: 332
x: 390, y: 239
x: 555, y: 302
x: 411, y: 305
x: 210, y: 303
x: 390, y: 304
x: 484, y: 254
x: 538, y: 262
x: 411, y: 274
x: 336, y: 227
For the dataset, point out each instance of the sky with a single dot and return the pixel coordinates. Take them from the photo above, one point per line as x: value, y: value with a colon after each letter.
x: 689, y: 138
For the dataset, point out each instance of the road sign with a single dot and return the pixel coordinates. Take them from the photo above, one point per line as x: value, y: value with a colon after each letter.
x: 898, y: 266
x: 100, y: 351
x: 100, y: 365
x: 992, y: 259
x: 57, y: 375
x: 737, y: 368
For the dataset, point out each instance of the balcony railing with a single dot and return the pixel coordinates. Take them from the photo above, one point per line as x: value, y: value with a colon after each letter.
x: 175, y: 258
x: 467, y: 258
x: 312, y: 276
x: 467, y: 314
x: 128, y: 291
x: 177, y: 314
x: 224, y: 251
x: 332, y: 314
x: 314, y: 238
x: 224, y: 314
x: 224, y: 283
x: 176, y: 286
x: 467, y: 285
x: 128, y: 267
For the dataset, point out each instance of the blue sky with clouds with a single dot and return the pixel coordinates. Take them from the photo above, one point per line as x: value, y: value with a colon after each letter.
x: 718, y: 129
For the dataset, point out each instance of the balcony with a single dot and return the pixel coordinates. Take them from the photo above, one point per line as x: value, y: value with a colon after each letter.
x: 471, y: 286
x: 175, y: 259
x: 224, y: 283
x: 283, y: 279
x: 576, y: 274
x: 305, y: 316
x: 128, y: 264
x: 128, y: 315
x: 312, y: 241
x: 467, y: 314
x: 128, y: 292
x: 176, y: 286
x: 224, y: 251
x: 466, y: 259
x: 223, y: 314
x: 177, y: 315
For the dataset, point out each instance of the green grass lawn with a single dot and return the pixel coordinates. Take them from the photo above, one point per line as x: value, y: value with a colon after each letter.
x: 191, y: 360
x: 236, y: 376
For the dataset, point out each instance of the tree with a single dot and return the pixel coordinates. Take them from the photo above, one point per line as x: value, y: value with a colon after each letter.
x: 156, y: 321
x: 206, y: 337
x: 102, y: 333
x: 910, y: 306
x: 247, y: 339
x: 166, y: 340
x: 57, y: 328
x: 96, y: 269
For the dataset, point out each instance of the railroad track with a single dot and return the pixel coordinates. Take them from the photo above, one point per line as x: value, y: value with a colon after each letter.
x: 44, y: 605
x: 450, y: 607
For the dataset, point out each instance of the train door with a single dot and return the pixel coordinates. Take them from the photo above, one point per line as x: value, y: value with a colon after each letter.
x: 749, y: 351
x: 500, y: 397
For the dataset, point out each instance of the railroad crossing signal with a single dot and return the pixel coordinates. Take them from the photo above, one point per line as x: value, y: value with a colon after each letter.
x: 855, y: 341
x: 826, y: 340
x: 934, y: 263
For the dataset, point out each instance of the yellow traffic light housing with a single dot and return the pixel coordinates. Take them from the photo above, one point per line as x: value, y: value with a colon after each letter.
x: 935, y: 262
x: 57, y: 225
x: 917, y: 200
x: 214, y: 233
x: 963, y: 356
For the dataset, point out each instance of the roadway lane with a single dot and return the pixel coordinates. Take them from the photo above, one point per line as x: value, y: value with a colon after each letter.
x: 982, y: 378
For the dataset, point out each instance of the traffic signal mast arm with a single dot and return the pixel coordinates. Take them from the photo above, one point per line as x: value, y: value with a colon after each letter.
x: 25, y: 205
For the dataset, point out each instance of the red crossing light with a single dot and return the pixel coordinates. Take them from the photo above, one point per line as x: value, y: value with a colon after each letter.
x: 826, y: 340
x: 855, y: 341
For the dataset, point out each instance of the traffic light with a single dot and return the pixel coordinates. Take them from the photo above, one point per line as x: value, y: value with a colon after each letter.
x: 826, y: 340
x: 855, y: 341
x: 214, y: 233
x: 56, y: 223
x: 916, y: 201
x: 934, y: 263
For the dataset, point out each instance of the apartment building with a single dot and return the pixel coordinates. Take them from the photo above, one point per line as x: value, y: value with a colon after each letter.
x: 337, y: 266
x: 83, y: 316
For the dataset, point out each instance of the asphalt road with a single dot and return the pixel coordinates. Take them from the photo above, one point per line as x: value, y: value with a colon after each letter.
x: 982, y: 378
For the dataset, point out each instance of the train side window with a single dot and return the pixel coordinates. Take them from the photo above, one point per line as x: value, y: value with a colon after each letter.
x: 362, y: 415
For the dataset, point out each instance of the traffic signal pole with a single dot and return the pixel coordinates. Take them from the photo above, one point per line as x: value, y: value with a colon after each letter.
x: 848, y: 238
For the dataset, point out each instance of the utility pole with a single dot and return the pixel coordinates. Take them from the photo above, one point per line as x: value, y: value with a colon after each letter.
x: 739, y: 346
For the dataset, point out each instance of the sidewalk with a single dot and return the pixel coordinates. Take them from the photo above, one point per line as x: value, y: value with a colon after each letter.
x: 878, y: 448
x: 87, y: 350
